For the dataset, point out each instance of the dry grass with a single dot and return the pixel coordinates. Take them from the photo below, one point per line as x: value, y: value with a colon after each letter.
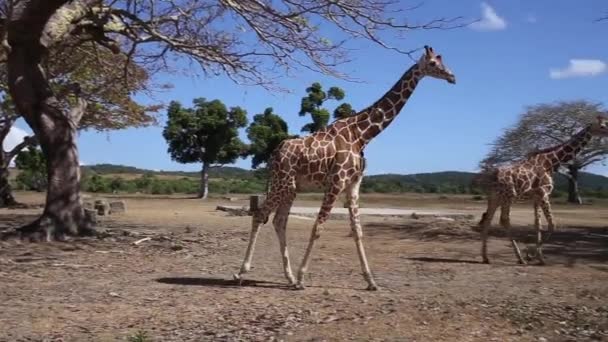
x: 177, y: 287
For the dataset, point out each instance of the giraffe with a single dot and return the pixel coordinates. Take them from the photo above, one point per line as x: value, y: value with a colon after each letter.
x: 531, y: 178
x: 332, y: 158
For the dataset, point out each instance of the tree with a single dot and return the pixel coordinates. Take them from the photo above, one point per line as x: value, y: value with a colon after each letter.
x: 265, y: 133
x: 311, y: 104
x: 7, y: 119
x: 207, y: 134
x: 110, y: 105
x: 250, y: 41
x: 547, y: 125
x: 32, y: 166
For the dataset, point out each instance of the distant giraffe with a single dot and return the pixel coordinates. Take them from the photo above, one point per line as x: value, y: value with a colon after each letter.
x: 333, y: 158
x: 531, y: 178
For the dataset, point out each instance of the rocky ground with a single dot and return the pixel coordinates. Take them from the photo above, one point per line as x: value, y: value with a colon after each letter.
x: 175, y: 283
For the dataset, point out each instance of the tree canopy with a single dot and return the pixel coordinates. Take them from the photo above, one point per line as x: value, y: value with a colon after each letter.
x: 545, y: 125
x: 265, y: 134
x: 207, y: 134
x: 311, y: 104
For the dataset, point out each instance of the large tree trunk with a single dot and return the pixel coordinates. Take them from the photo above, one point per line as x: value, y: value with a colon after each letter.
x: 204, y: 190
x: 573, y: 192
x: 29, y: 36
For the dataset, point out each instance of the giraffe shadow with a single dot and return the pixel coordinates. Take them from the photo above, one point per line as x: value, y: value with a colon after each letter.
x: 567, y: 245
x: 219, y: 282
x: 444, y: 260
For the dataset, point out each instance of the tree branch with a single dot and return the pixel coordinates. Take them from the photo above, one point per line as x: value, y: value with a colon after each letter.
x: 27, y: 142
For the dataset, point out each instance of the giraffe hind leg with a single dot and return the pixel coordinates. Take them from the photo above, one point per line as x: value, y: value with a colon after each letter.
x: 505, y: 221
x: 280, y: 226
x: 486, y: 222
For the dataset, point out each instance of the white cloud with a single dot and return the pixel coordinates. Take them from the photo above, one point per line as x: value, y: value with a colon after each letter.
x: 580, y: 68
x: 14, y: 137
x: 490, y: 21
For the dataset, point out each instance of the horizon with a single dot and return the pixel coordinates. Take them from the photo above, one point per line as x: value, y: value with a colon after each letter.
x: 519, y: 54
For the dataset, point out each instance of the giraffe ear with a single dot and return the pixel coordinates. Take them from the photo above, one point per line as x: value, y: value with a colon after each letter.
x: 428, y: 50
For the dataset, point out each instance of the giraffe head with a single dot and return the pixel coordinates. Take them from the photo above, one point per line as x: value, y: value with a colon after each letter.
x: 599, y: 127
x: 432, y: 65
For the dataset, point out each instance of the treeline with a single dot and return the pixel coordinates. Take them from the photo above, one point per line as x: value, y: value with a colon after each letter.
x: 108, y: 178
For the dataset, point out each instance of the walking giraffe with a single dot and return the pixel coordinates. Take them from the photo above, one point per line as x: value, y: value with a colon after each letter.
x: 531, y: 178
x: 332, y: 158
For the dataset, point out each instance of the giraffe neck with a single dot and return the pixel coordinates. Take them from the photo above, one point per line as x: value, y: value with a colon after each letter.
x: 372, y: 120
x: 565, y: 152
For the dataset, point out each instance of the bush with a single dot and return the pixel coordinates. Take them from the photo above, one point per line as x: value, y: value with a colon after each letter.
x: 33, y: 175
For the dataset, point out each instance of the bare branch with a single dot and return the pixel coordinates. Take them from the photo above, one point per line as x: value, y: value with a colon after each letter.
x: 29, y: 141
x: 252, y: 41
x: 548, y: 125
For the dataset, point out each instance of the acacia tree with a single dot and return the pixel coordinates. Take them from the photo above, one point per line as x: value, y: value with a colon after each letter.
x: 547, y: 125
x: 312, y: 102
x: 263, y: 39
x: 110, y: 105
x: 266, y: 132
x: 207, y: 134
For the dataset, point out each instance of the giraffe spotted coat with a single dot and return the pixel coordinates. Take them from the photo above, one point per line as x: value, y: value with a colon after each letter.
x: 332, y: 158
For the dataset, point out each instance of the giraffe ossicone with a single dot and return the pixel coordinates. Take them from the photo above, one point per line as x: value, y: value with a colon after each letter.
x: 333, y: 159
x: 531, y: 178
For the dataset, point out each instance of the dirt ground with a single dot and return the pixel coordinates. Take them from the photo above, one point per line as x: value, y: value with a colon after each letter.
x: 177, y: 286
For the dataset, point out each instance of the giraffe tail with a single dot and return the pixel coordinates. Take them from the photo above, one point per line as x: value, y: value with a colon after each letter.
x: 485, y: 179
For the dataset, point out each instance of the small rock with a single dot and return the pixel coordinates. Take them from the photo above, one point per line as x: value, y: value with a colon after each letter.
x: 103, y: 207
x: 118, y: 207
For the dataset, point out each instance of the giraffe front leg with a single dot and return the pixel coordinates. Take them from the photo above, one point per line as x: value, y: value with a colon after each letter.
x: 328, y: 201
x: 357, y: 233
x: 280, y: 226
x: 256, y: 222
x: 260, y: 217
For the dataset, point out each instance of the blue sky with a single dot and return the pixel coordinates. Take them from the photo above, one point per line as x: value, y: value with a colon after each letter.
x: 521, y: 53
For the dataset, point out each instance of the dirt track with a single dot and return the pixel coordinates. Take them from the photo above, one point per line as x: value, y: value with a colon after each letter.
x: 177, y: 286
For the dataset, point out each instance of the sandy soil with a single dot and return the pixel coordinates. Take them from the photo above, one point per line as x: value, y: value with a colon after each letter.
x: 177, y: 286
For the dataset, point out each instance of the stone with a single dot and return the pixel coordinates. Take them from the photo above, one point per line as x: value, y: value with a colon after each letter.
x: 118, y: 207
x: 90, y: 216
x: 103, y: 207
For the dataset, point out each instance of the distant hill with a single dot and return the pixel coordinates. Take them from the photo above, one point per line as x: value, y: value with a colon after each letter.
x: 216, y: 172
x: 456, y: 181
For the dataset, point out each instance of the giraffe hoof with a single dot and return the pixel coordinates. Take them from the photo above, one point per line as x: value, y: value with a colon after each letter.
x: 372, y: 287
x: 522, y: 262
x: 298, y: 287
x: 238, y: 279
x: 486, y: 261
